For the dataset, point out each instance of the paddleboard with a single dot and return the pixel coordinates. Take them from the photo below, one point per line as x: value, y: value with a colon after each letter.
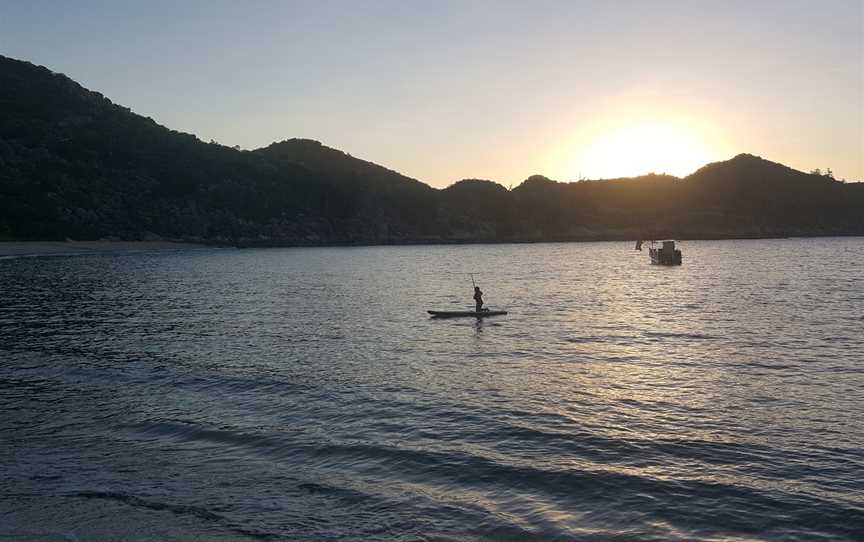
x: 457, y: 314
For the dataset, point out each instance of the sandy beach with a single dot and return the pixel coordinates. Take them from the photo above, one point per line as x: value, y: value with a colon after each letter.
x: 62, y: 248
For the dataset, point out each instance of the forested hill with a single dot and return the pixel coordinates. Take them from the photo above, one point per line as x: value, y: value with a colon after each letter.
x: 75, y: 165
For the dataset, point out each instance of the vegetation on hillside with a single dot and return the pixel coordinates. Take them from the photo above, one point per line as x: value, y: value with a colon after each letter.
x: 75, y: 165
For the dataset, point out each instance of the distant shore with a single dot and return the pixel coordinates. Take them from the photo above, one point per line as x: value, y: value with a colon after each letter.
x: 71, y: 248
x: 68, y: 248
x: 600, y: 237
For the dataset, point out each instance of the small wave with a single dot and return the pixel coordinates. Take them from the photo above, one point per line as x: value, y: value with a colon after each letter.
x: 179, y: 509
x: 770, y: 366
x: 345, y: 495
x: 671, y: 335
x: 600, y: 339
x: 670, y: 499
x: 152, y: 505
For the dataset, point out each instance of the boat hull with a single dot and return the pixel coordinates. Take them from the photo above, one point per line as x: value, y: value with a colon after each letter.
x: 659, y: 258
x: 665, y: 256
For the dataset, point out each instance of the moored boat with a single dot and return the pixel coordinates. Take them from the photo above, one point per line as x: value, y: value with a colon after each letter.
x: 665, y: 254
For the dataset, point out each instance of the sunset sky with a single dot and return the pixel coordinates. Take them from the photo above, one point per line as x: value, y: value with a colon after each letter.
x: 445, y: 90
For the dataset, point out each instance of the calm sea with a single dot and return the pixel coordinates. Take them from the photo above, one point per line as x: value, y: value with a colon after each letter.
x: 304, y: 394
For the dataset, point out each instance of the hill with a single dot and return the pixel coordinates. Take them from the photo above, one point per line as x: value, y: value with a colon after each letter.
x: 75, y: 165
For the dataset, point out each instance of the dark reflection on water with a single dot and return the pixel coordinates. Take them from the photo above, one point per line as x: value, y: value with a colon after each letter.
x: 305, y: 394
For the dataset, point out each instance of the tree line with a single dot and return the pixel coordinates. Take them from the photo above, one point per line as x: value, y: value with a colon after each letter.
x: 75, y: 165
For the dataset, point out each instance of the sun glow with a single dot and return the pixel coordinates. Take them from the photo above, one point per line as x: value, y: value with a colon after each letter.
x: 638, y: 149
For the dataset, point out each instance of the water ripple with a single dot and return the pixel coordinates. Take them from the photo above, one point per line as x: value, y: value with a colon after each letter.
x: 304, y: 394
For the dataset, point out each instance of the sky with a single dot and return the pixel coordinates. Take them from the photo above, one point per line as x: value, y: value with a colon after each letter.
x: 445, y: 90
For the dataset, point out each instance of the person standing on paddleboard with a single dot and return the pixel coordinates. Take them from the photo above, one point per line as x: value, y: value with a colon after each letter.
x: 478, y: 298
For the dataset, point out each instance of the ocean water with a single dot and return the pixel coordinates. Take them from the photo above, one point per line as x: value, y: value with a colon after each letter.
x: 304, y: 394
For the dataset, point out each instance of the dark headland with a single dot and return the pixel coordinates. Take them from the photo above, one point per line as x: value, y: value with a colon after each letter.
x: 73, y: 165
